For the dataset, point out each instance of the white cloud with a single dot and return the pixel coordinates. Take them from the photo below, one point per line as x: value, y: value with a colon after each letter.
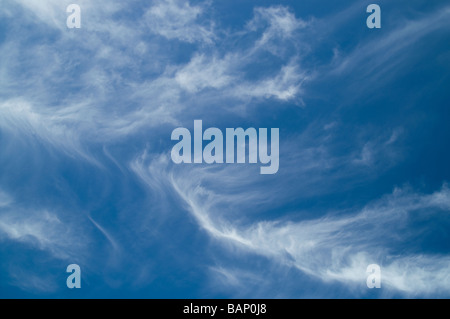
x: 285, y: 86
x: 114, y: 105
x: 130, y: 83
x: 377, y: 59
x: 204, y: 72
x: 177, y: 19
x: 44, y: 230
x: 5, y: 199
x: 29, y: 280
x: 234, y: 278
x: 335, y: 247
x: 278, y: 24
x: 47, y: 11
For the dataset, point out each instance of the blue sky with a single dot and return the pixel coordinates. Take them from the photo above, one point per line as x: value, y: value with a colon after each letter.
x: 86, y: 176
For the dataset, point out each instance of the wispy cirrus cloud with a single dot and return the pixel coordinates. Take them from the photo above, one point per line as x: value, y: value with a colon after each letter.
x: 276, y: 25
x: 175, y: 19
x: 335, y: 247
x: 42, y: 229
x: 378, y: 59
x: 118, y: 85
x: 89, y: 113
